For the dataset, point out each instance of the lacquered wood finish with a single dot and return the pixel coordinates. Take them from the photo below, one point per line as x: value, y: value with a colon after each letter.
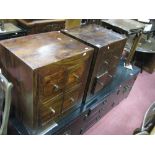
x: 79, y: 118
x: 44, y: 69
x: 125, y: 26
x: 145, y: 54
x: 108, y: 47
x: 97, y: 110
x: 41, y: 25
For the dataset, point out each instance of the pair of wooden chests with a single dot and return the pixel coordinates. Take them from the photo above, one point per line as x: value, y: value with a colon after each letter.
x: 55, y: 71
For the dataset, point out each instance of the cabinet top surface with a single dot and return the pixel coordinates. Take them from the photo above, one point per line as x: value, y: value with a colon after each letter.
x: 95, y: 35
x: 127, y: 25
x: 45, y: 48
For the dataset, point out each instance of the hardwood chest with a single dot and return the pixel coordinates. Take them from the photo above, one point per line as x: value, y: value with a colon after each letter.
x: 80, y: 120
x: 49, y: 73
x: 108, y: 47
x: 41, y: 25
x: 102, y: 103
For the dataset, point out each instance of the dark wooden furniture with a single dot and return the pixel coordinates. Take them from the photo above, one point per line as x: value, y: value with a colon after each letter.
x: 131, y: 28
x: 49, y: 73
x: 81, y: 119
x: 145, y: 54
x: 91, y: 21
x: 34, y: 26
x: 103, y: 102
x: 11, y: 31
x: 108, y: 47
x: 123, y: 26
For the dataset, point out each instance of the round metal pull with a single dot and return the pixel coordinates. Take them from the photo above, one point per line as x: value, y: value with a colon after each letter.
x: 52, y: 110
x: 56, y: 87
x: 85, y: 116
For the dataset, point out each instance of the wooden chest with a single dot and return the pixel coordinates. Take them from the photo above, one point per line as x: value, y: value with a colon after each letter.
x: 102, y: 103
x: 41, y: 25
x: 79, y: 120
x: 49, y: 73
x: 108, y: 47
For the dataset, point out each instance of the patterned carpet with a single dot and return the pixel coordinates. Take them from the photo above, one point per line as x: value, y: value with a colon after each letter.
x: 128, y: 115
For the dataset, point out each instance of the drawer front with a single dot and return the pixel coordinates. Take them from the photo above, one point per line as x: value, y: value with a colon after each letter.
x: 104, y: 64
x: 75, y: 74
x: 116, y: 48
x: 51, y: 82
x: 115, y: 52
x: 71, y: 98
x: 74, y: 128
x: 45, y: 27
x: 115, y: 61
x: 91, y: 122
x: 102, y: 80
x: 110, y: 57
x: 49, y: 110
x: 125, y: 89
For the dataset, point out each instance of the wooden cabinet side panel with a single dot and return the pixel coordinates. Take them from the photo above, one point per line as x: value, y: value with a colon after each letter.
x: 22, y: 78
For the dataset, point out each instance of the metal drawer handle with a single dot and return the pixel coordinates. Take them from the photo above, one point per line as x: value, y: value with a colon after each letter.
x: 106, y: 62
x: 76, y: 76
x: 72, y: 99
x: 52, y: 110
x: 56, y: 87
x: 110, y: 75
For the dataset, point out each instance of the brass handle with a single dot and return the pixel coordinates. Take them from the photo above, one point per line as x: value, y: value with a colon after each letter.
x: 56, y: 87
x: 110, y: 75
x: 76, y: 76
x: 106, y: 62
x: 72, y: 99
x: 52, y: 110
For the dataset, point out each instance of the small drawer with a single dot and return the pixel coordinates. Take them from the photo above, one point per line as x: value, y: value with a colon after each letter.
x: 115, y: 60
x: 91, y: 122
x: 51, y: 85
x: 50, y: 110
x: 71, y: 98
x: 75, y: 74
x: 104, y: 64
x: 102, y: 80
